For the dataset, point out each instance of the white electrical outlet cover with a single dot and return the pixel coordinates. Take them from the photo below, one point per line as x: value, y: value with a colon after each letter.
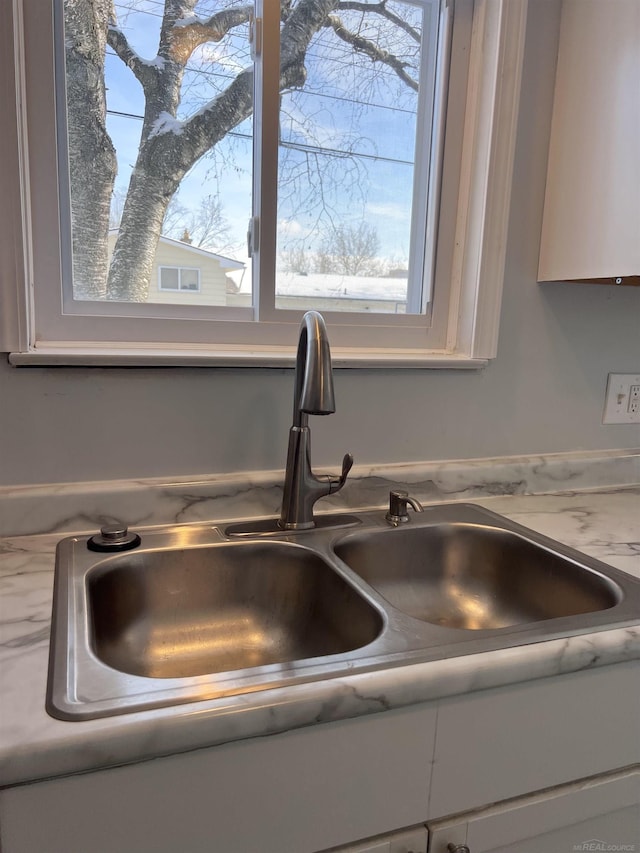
x: 621, y: 404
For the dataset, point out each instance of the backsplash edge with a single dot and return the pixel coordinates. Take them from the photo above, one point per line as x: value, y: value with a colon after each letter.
x: 68, y: 508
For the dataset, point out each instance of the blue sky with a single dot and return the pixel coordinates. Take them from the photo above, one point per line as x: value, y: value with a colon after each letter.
x: 330, y: 113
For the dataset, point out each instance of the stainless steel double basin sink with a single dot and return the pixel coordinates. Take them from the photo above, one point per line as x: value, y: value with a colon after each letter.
x: 205, y: 611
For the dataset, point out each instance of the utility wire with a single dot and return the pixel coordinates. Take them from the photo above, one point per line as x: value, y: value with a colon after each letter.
x: 336, y: 49
x: 307, y: 92
x: 295, y: 146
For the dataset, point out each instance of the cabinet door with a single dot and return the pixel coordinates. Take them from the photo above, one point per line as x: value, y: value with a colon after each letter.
x: 597, y: 814
x: 406, y: 841
x: 590, y: 227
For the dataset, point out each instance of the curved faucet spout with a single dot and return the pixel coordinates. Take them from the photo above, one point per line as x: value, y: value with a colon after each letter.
x: 313, y: 392
x: 313, y: 395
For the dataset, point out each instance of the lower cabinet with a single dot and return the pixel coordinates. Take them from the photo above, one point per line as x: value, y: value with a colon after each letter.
x: 406, y: 841
x: 423, y: 772
x: 598, y: 814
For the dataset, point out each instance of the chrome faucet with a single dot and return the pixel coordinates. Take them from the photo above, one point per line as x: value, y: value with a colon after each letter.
x: 313, y: 395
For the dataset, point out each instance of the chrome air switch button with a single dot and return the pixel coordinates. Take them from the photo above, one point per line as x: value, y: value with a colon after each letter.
x: 113, y: 538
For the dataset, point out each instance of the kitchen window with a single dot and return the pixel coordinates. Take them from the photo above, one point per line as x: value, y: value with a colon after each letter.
x: 365, y: 145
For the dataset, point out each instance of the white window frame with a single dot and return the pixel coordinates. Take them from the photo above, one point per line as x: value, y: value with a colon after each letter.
x: 474, y: 223
x: 179, y: 288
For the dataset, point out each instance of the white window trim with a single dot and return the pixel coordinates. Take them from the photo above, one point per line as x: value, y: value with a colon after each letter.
x: 179, y: 288
x: 481, y: 222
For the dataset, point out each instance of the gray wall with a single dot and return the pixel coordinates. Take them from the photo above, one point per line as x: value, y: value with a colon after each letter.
x: 544, y: 392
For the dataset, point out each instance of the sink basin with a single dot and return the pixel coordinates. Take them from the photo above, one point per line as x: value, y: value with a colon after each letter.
x: 189, y: 612
x: 199, y: 612
x: 474, y: 576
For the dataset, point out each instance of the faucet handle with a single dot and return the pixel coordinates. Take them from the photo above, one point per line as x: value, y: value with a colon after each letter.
x: 336, y: 483
x: 347, y: 465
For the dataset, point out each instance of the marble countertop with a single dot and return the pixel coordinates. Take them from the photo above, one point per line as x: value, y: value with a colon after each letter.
x: 603, y: 523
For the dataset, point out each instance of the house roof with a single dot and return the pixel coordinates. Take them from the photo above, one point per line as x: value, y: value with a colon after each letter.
x: 223, y: 260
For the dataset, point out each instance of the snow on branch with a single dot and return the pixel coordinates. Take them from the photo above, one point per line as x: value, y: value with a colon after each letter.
x: 145, y: 71
x: 166, y: 123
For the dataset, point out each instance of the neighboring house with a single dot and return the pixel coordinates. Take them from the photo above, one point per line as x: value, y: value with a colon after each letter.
x: 333, y: 292
x: 188, y: 275
x: 336, y: 292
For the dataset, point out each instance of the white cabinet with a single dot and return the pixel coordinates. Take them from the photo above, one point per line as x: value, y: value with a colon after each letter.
x: 591, y: 226
x: 598, y: 814
x: 298, y: 792
x: 328, y: 785
x: 406, y: 841
x: 495, y: 745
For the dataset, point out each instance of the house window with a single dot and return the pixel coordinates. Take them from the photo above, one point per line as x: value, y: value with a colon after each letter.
x: 179, y: 278
x: 359, y: 143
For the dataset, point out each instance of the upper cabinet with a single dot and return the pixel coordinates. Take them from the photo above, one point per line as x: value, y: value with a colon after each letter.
x: 591, y: 223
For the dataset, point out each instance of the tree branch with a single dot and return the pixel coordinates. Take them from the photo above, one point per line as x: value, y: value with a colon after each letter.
x: 376, y: 54
x: 145, y: 72
x: 303, y: 22
x: 380, y: 9
x: 190, y: 33
x: 210, y: 124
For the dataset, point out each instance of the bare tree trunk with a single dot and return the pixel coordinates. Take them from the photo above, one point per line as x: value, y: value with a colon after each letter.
x: 140, y: 226
x: 167, y: 152
x: 169, y: 149
x: 92, y: 157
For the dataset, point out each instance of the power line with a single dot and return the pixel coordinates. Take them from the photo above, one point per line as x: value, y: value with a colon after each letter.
x: 336, y: 152
x: 339, y: 56
x: 296, y: 146
x: 162, y: 5
x: 307, y: 92
x: 335, y: 48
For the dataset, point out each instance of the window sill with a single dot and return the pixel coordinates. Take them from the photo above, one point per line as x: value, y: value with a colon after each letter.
x: 229, y: 357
